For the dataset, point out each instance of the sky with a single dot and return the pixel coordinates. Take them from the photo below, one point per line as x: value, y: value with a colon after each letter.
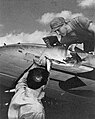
x: 28, y: 20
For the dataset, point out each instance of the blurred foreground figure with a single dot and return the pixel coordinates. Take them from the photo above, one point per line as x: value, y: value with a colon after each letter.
x: 26, y: 103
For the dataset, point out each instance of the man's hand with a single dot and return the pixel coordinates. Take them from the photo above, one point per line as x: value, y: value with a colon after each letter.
x: 48, y: 64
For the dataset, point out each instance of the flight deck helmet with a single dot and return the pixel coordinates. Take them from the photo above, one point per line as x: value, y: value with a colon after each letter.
x: 56, y: 23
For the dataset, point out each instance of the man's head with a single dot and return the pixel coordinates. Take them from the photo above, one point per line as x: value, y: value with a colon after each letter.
x: 59, y: 25
x: 37, y: 77
x: 56, y: 23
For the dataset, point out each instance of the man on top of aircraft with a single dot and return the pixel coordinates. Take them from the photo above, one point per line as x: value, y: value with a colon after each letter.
x: 77, y: 30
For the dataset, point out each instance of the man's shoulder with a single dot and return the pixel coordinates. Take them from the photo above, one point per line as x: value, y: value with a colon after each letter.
x: 81, y: 21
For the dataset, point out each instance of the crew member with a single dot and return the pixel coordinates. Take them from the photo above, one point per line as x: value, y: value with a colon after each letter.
x: 26, y: 103
x: 77, y: 30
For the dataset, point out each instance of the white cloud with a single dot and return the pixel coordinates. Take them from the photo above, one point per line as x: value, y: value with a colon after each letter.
x: 35, y: 37
x: 47, y: 17
x: 86, y: 3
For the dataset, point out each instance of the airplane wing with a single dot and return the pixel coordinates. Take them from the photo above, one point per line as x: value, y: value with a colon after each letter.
x: 14, y: 59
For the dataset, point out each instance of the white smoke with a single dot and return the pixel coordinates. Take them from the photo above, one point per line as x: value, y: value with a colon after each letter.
x: 86, y: 3
x: 47, y: 17
x: 35, y: 37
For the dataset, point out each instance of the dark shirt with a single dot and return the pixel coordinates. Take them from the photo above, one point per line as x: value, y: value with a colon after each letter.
x: 79, y: 33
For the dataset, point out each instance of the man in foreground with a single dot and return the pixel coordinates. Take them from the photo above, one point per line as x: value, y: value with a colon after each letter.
x: 26, y: 103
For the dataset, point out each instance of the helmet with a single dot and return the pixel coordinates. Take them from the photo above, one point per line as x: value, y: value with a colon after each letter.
x: 56, y: 23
